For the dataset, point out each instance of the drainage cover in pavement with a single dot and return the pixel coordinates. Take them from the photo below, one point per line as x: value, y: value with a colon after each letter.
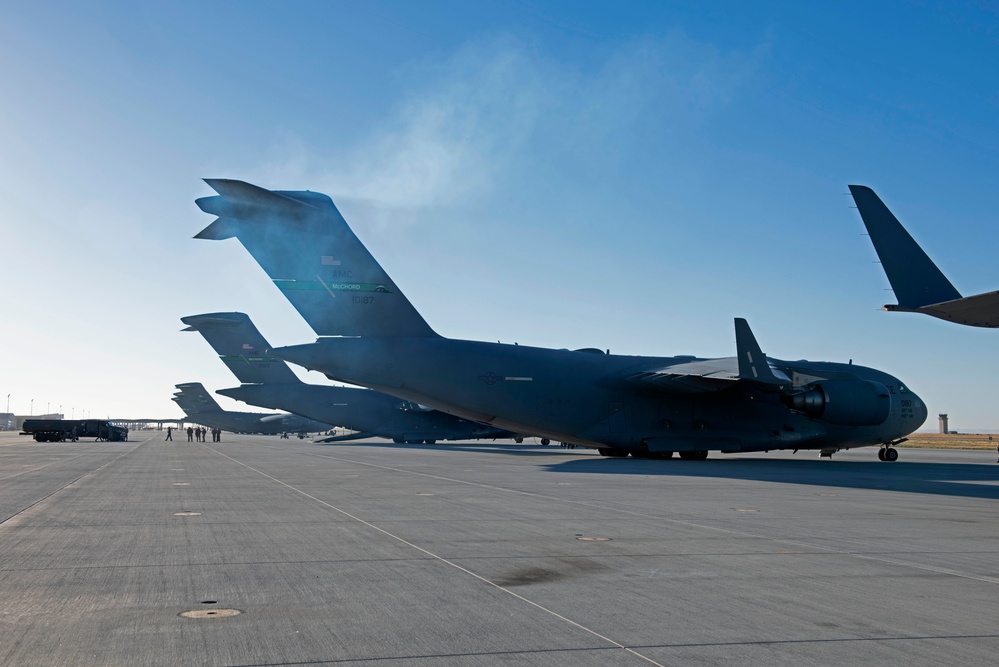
x: 594, y: 539
x: 210, y: 613
x: 187, y: 513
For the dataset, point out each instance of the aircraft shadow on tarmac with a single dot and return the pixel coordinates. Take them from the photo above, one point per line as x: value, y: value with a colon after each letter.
x: 481, y: 447
x: 947, y: 479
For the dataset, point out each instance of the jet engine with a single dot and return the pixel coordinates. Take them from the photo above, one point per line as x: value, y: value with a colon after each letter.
x: 844, y: 402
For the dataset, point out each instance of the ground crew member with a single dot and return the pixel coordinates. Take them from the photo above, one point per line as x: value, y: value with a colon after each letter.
x: 169, y: 433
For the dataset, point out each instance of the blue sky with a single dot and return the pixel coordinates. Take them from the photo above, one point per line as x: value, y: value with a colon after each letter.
x: 558, y: 174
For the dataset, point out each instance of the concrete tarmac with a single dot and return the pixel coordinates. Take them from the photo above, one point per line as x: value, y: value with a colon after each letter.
x: 485, y: 554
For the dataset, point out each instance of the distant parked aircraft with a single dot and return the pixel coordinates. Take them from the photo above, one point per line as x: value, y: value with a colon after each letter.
x: 201, y: 408
x: 268, y: 382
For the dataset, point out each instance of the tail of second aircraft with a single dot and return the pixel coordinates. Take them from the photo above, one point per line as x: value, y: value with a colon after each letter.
x: 193, y: 398
x: 241, y: 346
x: 305, y: 246
x: 914, y: 277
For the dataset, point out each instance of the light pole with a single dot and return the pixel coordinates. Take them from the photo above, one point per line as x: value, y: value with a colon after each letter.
x: 6, y: 423
x: 32, y: 411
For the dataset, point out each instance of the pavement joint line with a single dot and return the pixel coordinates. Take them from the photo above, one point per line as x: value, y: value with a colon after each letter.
x: 445, y: 561
x: 807, y: 545
x: 429, y: 656
x: 833, y: 640
x: 66, y: 486
x: 52, y: 463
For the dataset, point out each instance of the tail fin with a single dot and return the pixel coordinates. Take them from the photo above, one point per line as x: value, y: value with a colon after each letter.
x: 194, y: 398
x: 241, y: 347
x: 914, y: 277
x: 305, y: 246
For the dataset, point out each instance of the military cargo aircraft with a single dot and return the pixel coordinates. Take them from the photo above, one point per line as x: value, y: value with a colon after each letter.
x: 268, y: 382
x: 371, y: 335
x: 201, y: 408
x: 919, y: 285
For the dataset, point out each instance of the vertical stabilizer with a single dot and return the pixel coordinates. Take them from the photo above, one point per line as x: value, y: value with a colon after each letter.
x: 305, y: 246
x: 194, y: 398
x: 914, y: 277
x: 241, y: 347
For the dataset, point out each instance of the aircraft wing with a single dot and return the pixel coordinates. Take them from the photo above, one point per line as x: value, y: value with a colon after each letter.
x: 348, y: 437
x: 707, y: 375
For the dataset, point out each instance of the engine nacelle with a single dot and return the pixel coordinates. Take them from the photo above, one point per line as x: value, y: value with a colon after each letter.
x: 844, y: 402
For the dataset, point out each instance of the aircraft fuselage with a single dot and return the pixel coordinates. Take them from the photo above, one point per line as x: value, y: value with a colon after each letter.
x: 585, y: 398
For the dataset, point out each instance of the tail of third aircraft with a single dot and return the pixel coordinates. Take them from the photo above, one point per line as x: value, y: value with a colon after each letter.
x: 305, y: 246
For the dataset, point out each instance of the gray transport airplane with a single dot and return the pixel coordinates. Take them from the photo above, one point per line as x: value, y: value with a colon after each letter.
x: 268, y: 382
x: 919, y: 285
x: 201, y: 408
x: 371, y: 335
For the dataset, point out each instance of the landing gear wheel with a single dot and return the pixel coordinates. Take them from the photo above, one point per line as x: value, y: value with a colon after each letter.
x: 881, y: 454
x: 696, y: 455
x: 518, y: 440
x: 640, y: 454
x: 891, y: 454
x: 613, y: 452
x: 430, y: 442
x: 660, y: 456
x: 545, y: 441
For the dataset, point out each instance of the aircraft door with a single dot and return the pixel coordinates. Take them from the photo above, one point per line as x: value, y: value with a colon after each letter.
x: 616, y: 420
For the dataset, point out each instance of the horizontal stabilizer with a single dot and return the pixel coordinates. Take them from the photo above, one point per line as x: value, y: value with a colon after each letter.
x: 241, y: 192
x: 217, y: 231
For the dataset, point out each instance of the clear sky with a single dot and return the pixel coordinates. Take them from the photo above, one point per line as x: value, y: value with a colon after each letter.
x: 589, y: 174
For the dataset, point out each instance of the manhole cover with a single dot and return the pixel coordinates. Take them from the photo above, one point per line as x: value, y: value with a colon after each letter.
x: 187, y: 513
x: 594, y: 539
x: 210, y: 613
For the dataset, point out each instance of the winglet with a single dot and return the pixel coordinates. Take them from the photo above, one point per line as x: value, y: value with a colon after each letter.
x: 914, y: 277
x: 753, y: 364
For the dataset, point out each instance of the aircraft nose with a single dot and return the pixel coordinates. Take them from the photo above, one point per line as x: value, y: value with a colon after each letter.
x: 921, y: 412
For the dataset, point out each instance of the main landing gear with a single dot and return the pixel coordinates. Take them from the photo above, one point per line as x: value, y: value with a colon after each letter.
x: 888, y: 454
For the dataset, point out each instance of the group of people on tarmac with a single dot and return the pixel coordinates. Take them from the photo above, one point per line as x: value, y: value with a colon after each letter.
x: 197, y: 434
